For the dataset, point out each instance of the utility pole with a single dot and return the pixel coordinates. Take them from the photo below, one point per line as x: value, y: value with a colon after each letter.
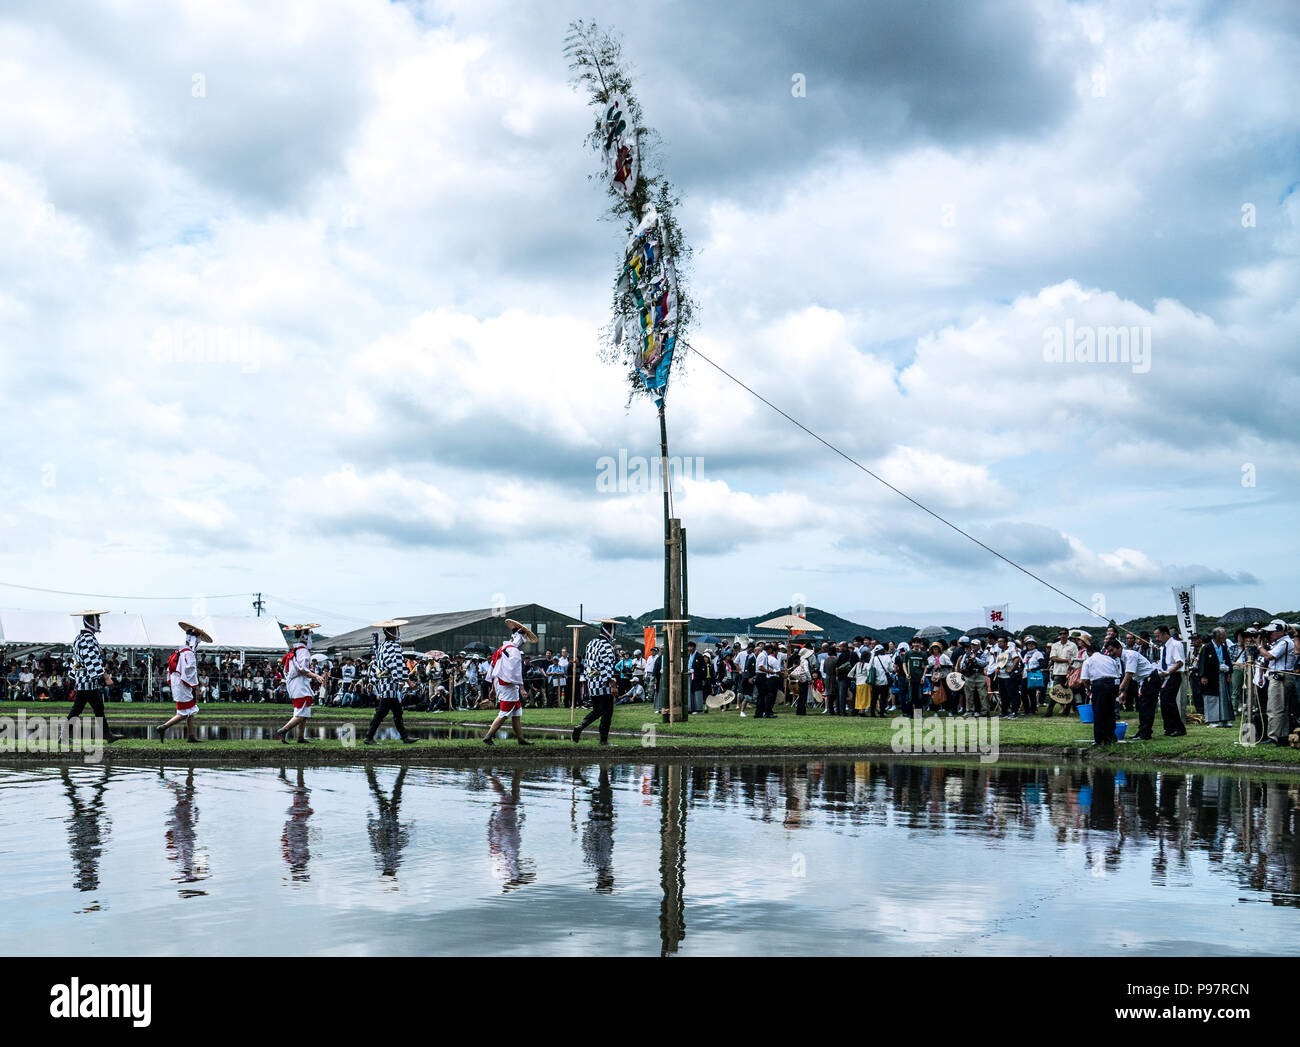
x: 259, y: 605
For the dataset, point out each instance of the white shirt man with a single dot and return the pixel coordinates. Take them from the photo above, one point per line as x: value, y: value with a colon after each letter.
x: 1061, y: 656
x: 1172, y: 655
x: 1102, y: 666
x: 1280, y: 655
x: 1137, y: 664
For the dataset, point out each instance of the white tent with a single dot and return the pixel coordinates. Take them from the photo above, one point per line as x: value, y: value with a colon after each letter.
x: 55, y: 629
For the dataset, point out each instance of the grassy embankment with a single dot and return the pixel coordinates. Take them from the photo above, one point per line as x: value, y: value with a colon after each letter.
x: 637, y: 729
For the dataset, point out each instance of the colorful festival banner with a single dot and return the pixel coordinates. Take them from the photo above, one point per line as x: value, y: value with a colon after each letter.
x: 618, y: 146
x: 648, y: 636
x: 649, y: 277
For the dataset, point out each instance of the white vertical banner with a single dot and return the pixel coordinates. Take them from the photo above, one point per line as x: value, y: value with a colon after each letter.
x: 998, y: 617
x: 1185, y: 608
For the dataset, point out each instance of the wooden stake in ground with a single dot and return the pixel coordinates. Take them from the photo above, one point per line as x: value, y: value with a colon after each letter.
x: 672, y: 683
x: 573, y: 675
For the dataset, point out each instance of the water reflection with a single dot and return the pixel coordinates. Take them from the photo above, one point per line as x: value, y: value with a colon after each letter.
x: 294, y: 840
x: 388, y: 836
x: 191, y: 867
x: 505, y: 835
x: 796, y: 856
x: 598, y: 832
x: 88, y: 825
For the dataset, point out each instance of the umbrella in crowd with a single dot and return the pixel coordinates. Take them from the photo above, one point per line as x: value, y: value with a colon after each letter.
x: 979, y: 631
x: 477, y: 647
x: 933, y: 632
x: 791, y: 623
x: 709, y: 638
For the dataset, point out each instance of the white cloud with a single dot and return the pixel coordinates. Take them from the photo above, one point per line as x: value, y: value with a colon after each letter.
x: 388, y: 204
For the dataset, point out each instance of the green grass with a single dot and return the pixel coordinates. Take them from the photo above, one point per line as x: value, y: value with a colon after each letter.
x: 639, y: 728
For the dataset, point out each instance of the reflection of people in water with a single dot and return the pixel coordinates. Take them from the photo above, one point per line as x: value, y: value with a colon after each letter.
x: 181, y: 836
x: 88, y: 825
x: 598, y: 834
x: 504, y: 836
x: 293, y: 840
x: 387, y: 835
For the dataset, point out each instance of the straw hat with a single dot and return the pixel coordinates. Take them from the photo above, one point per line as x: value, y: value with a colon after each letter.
x: 86, y: 614
x: 391, y: 623
x: 720, y: 700
x: 303, y: 627
x: 519, y: 627
x: 200, y: 633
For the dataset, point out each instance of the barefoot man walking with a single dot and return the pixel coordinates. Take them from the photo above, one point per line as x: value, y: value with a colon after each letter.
x: 388, y: 677
x: 298, y: 682
x: 507, y: 676
x: 183, y: 677
x: 89, y: 674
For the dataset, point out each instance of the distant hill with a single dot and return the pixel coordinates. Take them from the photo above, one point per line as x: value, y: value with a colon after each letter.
x: 835, y: 628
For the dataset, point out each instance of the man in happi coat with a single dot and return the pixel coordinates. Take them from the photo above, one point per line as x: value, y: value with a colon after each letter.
x: 88, y: 674
x: 388, y: 675
x: 602, y: 686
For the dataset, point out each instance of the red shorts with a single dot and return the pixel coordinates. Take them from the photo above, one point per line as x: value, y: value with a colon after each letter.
x: 184, y: 706
x: 299, y: 704
x: 511, y: 708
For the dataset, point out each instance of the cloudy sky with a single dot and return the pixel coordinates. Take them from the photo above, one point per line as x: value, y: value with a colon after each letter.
x: 374, y: 222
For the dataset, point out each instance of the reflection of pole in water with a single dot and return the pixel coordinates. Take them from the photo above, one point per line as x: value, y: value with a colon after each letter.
x: 293, y: 841
x: 181, y: 837
x: 88, y: 825
x: 672, y: 860
x: 388, y: 837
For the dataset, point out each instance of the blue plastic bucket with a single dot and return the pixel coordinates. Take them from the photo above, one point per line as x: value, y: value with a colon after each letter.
x: 1085, y: 714
x: 1121, y: 729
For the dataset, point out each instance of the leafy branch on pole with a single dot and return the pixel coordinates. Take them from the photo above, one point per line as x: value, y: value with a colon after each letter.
x: 596, y: 61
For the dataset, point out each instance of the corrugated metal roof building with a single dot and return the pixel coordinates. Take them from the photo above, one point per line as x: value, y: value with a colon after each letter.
x: 453, y: 630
